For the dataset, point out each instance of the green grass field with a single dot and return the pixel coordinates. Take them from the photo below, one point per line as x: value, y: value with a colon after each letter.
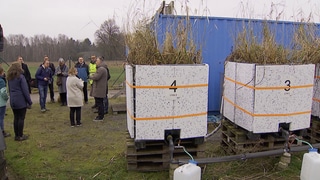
x: 97, y: 150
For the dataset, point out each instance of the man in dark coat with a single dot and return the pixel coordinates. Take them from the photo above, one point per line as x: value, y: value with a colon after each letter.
x: 26, y: 71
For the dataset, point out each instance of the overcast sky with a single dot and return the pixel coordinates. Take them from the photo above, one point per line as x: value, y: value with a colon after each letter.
x: 79, y: 19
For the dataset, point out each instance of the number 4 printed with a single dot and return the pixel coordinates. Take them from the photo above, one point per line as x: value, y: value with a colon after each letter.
x: 174, y: 84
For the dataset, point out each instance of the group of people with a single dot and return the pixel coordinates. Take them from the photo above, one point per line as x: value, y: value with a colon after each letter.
x: 72, y: 83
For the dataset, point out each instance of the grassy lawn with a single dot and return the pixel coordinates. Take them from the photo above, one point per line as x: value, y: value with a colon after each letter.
x: 57, y: 151
x: 97, y: 149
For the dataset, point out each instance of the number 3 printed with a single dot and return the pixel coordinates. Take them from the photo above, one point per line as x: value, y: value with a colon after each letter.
x: 288, y: 83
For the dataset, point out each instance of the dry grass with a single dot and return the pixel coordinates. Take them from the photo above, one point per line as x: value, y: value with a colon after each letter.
x: 305, y: 48
x: 178, y: 46
x: 306, y: 44
x: 249, y: 49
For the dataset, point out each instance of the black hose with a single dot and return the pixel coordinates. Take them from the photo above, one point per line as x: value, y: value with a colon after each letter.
x: 248, y: 155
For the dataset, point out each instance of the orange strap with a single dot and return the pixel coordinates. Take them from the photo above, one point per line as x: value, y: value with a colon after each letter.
x: 268, y: 88
x: 317, y: 77
x: 167, y: 87
x: 315, y: 99
x: 264, y: 115
x: 165, y: 117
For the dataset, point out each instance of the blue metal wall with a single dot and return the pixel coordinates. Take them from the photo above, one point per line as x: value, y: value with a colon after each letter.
x: 216, y: 36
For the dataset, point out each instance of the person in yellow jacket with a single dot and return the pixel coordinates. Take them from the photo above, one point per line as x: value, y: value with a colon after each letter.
x: 92, y: 67
x: 92, y: 70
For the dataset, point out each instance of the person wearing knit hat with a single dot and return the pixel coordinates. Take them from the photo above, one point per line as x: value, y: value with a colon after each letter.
x: 3, y: 101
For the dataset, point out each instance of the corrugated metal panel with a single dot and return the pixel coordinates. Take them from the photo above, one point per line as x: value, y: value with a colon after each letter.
x: 215, y: 36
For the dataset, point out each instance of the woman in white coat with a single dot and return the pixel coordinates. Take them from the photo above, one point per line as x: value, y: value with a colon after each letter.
x: 74, y: 96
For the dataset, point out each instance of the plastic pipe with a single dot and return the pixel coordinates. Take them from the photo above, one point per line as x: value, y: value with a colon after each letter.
x: 214, y: 131
x: 171, y: 147
x: 248, y: 155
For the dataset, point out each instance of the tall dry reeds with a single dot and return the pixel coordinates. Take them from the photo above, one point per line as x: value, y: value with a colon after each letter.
x: 306, y: 46
x: 248, y: 48
x: 177, y: 44
x: 142, y: 46
x: 304, y: 49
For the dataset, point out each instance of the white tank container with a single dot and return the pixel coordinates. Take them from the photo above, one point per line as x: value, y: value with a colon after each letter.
x: 260, y: 97
x: 188, y: 171
x: 167, y: 97
x: 310, y: 165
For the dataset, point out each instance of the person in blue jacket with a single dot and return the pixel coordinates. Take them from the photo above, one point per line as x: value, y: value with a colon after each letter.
x: 43, y: 76
x: 19, y: 99
x: 83, y: 73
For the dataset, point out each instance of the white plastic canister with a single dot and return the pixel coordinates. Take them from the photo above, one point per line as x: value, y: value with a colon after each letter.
x: 188, y: 171
x: 310, y: 165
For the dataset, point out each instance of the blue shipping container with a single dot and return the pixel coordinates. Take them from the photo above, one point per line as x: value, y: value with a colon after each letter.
x: 216, y: 36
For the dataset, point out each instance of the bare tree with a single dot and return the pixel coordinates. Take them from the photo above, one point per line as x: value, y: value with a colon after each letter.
x: 36, y: 47
x: 110, y: 40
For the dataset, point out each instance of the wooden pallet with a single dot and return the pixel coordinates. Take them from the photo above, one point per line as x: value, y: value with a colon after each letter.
x: 235, y: 140
x: 118, y: 108
x: 314, y: 130
x: 156, y: 156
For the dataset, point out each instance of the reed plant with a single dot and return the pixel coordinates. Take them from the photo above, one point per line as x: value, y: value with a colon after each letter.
x: 249, y: 49
x: 304, y: 47
x: 178, y: 46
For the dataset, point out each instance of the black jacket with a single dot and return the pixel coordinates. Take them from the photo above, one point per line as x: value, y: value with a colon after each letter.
x: 26, y: 72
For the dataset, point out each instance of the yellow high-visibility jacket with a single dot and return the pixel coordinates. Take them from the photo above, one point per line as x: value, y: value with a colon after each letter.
x: 92, y: 70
